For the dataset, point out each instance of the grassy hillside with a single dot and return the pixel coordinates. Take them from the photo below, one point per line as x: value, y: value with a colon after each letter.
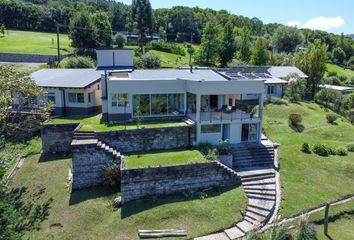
x: 33, y: 43
x: 340, y: 71
x: 308, y: 179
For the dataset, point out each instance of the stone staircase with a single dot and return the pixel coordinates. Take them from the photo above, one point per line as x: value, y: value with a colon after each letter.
x: 189, y: 121
x: 82, y: 135
x: 252, y: 156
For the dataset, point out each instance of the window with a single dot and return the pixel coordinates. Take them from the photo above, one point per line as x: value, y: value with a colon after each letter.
x: 175, y: 104
x: 76, y: 98
x: 89, y: 97
x: 271, y: 90
x: 120, y: 100
x: 51, y: 97
x: 158, y: 104
x: 143, y: 103
x: 214, y: 128
x: 98, y: 86
x: 252, y: 132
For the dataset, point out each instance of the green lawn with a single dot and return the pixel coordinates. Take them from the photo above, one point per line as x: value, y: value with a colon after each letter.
x: 340, y: 71
x: 163, y: 158
x: 88, y: 214
x: 307, y: 179
x: 33, y: 43
x: 93, y: 123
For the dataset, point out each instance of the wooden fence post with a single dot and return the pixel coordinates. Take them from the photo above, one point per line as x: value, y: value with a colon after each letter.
x: 326, y: 219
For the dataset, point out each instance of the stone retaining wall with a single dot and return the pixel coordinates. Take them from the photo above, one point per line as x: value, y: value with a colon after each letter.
x: 33, y: 58
x: 56, y: 138
x: 137, y: 183
x: 149, y: 139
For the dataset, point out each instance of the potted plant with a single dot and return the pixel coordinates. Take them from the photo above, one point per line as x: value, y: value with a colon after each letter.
x: 225, y: 155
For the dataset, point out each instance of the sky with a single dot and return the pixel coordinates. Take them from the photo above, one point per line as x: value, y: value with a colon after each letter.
x: 335, y: 16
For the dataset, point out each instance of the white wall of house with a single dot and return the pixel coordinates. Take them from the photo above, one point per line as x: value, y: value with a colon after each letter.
x: 273, y: 90
x: 115, y: 57
x: 235, y: 133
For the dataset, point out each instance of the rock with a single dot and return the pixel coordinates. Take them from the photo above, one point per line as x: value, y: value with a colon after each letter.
x: 117, y: 202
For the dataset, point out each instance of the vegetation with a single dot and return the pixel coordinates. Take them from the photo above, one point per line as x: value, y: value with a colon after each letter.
x: 148, y: 61
x: 287, y: 39
x: 92, y: 208
x: 318, y: 179
x: 306, y: 148
x: 341, y: 151
x: 163, y: 158
x: 163, y: 46
x: 77, y: 62
x: 209, y: 48
x: 350, y: 147
x: 34, y: 43
x: 119, y: 40
x: 260, y: 54
x: 94, y: 123
x: 294, y: 119
x: 296, y: 89
x: 111, y: 175
x: 142, y: 19
x: 228, y: 45
x: 331, y: 118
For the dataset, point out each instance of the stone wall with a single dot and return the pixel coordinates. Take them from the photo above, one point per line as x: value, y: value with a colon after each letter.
x: 149, y: 139
x: 88, y: 162
x: 137, y: 183
x: 33, y: 58
x: 56, y: 138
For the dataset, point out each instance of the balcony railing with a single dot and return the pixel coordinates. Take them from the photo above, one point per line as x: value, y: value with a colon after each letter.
x: 222, y: 116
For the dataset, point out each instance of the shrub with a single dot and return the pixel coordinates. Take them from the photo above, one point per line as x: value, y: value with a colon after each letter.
x: 305, y: 230
x: 119, y: 40
x: 277, y: 101
x: 350, y: 148
x: 341, y: 151
x: 111, y: 175
x: 342, y: 78
x: 320, y: 150
x: 331, y: 151
x: 294, y: 119
x: 168, y: 47
x: 331, y: 118
x: 149, y: 61
x: 306, y: 148
x: 212, y: 155
x: 224, y: 147
x: 331, y: 74
x: 77, y: 62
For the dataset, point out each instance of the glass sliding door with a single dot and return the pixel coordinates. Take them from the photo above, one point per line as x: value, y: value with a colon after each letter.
x: 159, y: 104
x: 175, y: 104
x: 249, y: 132
x: 143, y: 103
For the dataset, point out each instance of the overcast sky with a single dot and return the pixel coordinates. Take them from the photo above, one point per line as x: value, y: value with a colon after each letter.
x: 335, y: 16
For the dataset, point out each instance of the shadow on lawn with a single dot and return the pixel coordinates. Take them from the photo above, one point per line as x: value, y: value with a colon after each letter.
x: 150, y: 202
x: 53, y: 157
x: 79, y: 196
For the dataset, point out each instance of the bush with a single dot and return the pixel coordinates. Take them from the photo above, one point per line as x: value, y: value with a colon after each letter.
x: 212, y: 155
x: 305, y: 230
x: 306, y: 148
x: 204, y: 148
x: 331, y: 74
x: 148, y: 61
x: 111, y: 175
x: 168, y: 47
x: 77, y: 62
x: 320, y: 150
x: 331, y: 118
x: 277, y: 101
x: 119, y: 40
x: 350, y: 148
x: 342, y: 78
x: 341, y: 151
x: 294, y: 119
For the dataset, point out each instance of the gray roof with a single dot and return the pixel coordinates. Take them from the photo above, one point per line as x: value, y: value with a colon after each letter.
x: 283, y: 72
x: 174, y: 74
x: 337, y: 88
x: 66, y: 78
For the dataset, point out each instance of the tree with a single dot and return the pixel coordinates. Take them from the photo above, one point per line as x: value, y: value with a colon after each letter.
x: 210, y: 45
x: 338, y: 55
x: 313, y: 62
x: 2, y: 29
x: 82, y: 31
x: 103, y: 29
x: 244, y: 53
x: 260, y: 53
x: 286, y: 39
x: 18, y: 91
x: 119, y: 40
x: 295, y: 90
x: 142, y: 18
x: 149, y: 61
x: 228, y: 45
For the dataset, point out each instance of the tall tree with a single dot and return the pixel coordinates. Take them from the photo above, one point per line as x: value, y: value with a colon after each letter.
x: 260, y: 53
x: 103, y: 29
x: 313, y: 62
x: 228, y: 45
x: 244, y: 53
x: 210, y: 45
x: 142, y: 18
x: 286, y: 39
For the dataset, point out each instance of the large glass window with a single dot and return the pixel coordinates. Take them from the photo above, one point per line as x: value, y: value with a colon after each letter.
x: 191, y: 103
x: 51, y: 97
x: 76, y: 98
x: 142, y: 102
x: 213, y: 128
x: 120, y: 100
x: 158, y: 104
x: 175, y: 104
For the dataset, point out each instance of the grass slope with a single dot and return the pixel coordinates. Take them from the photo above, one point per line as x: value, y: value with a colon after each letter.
x: 33, y: 43
x: 163, y: 158
x: 94, y: 123
x: 340, y: 71
x: 307, y: 179
x: 87, y: 214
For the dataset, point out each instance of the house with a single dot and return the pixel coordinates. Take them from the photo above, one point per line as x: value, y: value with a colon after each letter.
x: 216, y: 103
x: 342, y: 89
x: 133, y: 38
x: 72, y: 91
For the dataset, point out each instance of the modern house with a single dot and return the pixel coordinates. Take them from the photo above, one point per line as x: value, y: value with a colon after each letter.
x: 72, y: 91
x: 218, y: 104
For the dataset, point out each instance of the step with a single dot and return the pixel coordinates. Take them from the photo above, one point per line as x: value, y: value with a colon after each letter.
x: 259, y: 172
x: 260, y: 182
x: 234, y: 233
x: 253, y: 163
x: 215, y: 236
x: 248, y: 179
x: 259, y: 156
x: 255, y: 217
x: 245, y: 226
x: 260, y: 212
x: 261, y: 196
x: 263, y: 188
x: 266, y: 205
x: 270, y: 194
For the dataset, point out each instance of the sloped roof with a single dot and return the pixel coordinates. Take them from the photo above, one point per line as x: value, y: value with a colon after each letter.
x: 337, y: 88
x: 284, y: 71
x: 66, y: 78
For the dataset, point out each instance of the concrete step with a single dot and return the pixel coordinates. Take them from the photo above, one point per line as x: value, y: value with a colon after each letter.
x: 234, y: 233
x: 261, y: 204
x: 245, y: 226
x: 255, y: 217
x: 258, y: 211
x: 270, y: 194
x: 265, y: 189
x: 215, y: 236
x: 258, y: 172
x: 250, y: 178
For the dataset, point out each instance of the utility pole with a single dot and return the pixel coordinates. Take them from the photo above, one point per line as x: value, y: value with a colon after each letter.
x: 58, y: 43
x: 190, y: 51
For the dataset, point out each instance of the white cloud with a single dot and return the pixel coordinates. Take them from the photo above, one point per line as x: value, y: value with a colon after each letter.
x: 295, y: 23
x: 323, y: 23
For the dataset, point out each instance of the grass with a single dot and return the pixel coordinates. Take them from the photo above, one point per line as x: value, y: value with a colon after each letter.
x: 87, y: 214
x: 26, y: 42
x: 340, y: 71
x: 307, y: 179
x: 163, y: 158
x: 94, y: 123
